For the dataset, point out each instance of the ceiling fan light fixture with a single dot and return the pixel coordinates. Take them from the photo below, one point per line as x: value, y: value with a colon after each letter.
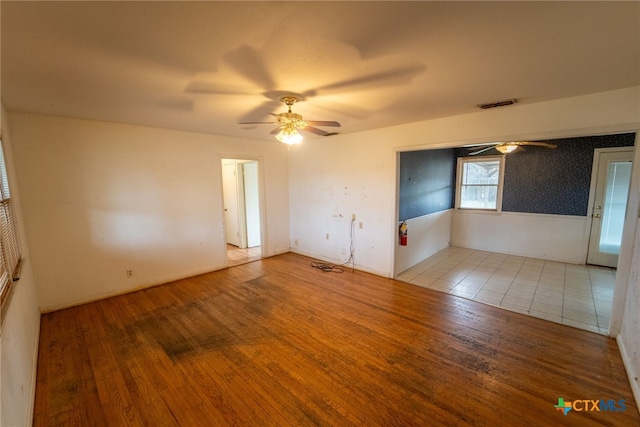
x: 289, y: 123
x: 506, y: 148
x: 289, y: 135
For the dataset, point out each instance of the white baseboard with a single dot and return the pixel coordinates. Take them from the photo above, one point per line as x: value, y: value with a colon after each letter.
x: 633, y: 380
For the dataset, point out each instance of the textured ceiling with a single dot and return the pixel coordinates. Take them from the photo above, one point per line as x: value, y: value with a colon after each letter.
x: 205, y: 66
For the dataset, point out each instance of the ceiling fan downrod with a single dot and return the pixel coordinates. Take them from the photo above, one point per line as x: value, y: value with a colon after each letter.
x: 289, y: 101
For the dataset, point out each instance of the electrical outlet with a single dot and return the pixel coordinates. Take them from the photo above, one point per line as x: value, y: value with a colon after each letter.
x: 129, y: 273
x: 360, y: 225
x: 353, y: 217
x: 296, y: 242
x: 327, y: 236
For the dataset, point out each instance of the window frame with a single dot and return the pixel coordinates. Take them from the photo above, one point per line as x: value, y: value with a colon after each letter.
x: 500, y: 186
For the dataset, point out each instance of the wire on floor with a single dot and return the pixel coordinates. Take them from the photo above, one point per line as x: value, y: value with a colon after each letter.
x: 337, y: 268
x: 327, y: 268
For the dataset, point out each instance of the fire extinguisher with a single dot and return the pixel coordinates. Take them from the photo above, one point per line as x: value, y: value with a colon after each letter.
x: 403, y: 234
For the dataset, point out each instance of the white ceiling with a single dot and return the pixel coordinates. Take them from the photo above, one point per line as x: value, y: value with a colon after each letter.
x: 205, y: 66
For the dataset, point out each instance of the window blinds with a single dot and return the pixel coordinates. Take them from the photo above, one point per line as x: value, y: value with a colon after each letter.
x: 9, y: 247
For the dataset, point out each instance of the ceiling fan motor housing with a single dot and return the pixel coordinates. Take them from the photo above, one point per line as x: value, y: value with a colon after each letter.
x: 295, y: 119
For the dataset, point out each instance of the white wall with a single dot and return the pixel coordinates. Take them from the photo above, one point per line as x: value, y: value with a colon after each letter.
x: 426, y: 236
x: 563, y: 238
x: 21, y: 323
x: 102, y: 198
x: 331, y: 178
x: 19, y: 352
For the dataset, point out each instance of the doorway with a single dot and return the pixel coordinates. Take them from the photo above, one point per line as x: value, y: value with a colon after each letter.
x: 241, y: 200
x: 612, y: 169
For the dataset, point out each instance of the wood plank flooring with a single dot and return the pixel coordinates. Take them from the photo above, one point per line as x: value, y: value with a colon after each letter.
x: 276, y: 342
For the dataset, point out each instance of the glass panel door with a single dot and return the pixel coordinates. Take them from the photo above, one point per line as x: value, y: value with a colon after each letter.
x: 615, y: 204
x: 613, y: 177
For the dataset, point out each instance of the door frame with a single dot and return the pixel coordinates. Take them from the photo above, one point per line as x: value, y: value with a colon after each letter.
x: 261, y: 201
x: 597, y: 152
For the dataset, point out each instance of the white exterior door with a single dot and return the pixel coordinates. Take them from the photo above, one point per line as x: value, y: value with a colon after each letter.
x: 610, y: 203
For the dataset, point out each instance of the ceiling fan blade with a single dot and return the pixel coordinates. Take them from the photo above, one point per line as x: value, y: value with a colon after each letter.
x: 322, y: 123
x: 247, y: 62
x: 482, y: 151
x: 276, y: 131
x: 482, y: 144
x: 315, y: 130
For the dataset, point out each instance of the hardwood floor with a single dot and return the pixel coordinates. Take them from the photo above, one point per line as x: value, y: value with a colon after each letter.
x: 237, y: 256
x: 276, y: 342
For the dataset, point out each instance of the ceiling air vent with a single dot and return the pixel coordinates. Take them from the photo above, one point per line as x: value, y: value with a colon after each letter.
x: 497, y: 104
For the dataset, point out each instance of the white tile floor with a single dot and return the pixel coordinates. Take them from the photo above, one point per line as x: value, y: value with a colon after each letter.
x: 575, y: 295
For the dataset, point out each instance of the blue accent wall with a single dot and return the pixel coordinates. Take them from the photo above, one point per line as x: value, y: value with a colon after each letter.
x: 427, y: 182
x: 540, y: 180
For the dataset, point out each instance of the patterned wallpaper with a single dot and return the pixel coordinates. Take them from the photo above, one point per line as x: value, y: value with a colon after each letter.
x: 540, y: 180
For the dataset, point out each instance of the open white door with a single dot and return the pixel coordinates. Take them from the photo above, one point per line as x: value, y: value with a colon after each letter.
x: 610, y: 203
x: 230, y: 198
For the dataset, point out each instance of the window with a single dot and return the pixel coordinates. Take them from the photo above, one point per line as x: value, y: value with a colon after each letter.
x: 9, y: 248
x: 479, y: 184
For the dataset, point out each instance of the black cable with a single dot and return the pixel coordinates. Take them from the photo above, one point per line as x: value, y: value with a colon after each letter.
x: 329, y: 268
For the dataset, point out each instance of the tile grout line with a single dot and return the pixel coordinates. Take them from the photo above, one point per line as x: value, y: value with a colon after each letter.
x: 538, y: 285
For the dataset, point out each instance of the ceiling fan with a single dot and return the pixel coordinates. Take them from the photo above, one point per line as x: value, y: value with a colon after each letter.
x: 509, y: 147
x: 288, y: 124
